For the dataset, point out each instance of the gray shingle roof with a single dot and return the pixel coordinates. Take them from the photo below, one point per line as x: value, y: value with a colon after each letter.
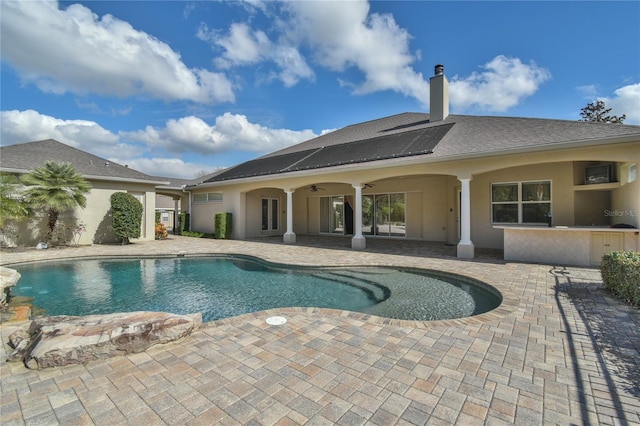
x: 457, y: 135
x: 30, y: 155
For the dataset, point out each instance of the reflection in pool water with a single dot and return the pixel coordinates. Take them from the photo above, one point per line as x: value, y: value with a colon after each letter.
x: 222, y: 287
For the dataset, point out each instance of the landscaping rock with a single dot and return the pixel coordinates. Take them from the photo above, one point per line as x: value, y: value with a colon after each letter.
x: 62, y: 340
x: 18, y: 341
x: 8, y: 278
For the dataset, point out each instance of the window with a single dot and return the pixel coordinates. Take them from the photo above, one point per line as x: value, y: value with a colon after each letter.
x: 207, y: 196
x: 520, y: 202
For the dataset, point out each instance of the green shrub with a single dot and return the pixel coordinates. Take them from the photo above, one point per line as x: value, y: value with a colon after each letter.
x: 183, y: 223
x: 223, y: 226
x: 126, y: 215
x: 192, y: 234
x: 621, y: 275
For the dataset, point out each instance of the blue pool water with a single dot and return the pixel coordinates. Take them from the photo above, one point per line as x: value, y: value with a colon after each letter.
x: 222, y: 287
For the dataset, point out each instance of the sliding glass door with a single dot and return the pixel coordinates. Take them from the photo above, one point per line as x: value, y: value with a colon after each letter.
x: 384, y: 215
x: 332, y: 215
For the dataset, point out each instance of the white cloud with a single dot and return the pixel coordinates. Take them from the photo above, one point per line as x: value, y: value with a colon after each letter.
x: 626, y: 101
x: 73, y: 50
x: 337, y: 35
x: 502, y: 85
x: 30, y: 125
x: 589, y: 91
x: 231, y: 132
x: 243, y: 47
x: 341, y: 36
x: 344, y: 35
x: 166, y: 167
x: 185, y: 135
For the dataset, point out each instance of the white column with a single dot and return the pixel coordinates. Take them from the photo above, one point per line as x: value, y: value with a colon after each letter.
x: 358, y: 242
x: 289, y: 236
x: 176, y: 215
x: 465, y: 246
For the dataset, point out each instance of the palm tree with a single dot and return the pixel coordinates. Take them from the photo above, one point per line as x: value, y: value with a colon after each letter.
x: 12, y: 203
x: 55, y: 187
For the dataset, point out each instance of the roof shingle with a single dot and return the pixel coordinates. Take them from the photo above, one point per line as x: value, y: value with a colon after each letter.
x: 412, y: 134
x: 31, y: 155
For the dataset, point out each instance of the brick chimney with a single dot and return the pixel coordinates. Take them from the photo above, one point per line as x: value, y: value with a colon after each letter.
x: 439, y: 95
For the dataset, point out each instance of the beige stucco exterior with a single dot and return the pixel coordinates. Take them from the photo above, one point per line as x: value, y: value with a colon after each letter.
x: 95, y: 216
x: 432, y: 188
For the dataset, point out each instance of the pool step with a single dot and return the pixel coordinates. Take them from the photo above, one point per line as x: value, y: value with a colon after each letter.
x: 375, y: 290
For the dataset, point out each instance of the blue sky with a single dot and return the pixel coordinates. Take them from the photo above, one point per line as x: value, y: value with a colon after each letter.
x: 180, y: 88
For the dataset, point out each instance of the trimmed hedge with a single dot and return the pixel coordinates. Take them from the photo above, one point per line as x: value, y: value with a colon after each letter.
x: 223, y: 226
x: 193, y: 234
x: 621, y: 275
x: 183, y: 223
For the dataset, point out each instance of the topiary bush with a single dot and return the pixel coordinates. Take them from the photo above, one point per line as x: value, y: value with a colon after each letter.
x: 126, y: 215
x: 223, y: 226
x: 621, y: 275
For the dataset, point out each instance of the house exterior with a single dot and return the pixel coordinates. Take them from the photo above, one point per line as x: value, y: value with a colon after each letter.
x: 105, y: 178
x: 469, y: 181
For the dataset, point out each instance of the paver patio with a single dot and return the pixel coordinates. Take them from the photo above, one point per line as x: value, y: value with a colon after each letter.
x: 558, y: 351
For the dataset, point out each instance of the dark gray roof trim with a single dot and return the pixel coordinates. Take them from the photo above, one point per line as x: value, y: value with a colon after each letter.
x: 415, y: 142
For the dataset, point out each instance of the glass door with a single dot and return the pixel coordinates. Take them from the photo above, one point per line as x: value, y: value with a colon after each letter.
x: 332, y: 215
x: 270, y: 216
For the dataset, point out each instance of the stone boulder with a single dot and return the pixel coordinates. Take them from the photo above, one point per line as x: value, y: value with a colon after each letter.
x: 62, y: 340
x: 8, y: 278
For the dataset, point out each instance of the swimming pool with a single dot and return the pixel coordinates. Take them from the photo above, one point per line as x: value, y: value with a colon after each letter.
x: 226, y: 286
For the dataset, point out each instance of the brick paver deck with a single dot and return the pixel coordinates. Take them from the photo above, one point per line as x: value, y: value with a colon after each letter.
x: 558, y: 351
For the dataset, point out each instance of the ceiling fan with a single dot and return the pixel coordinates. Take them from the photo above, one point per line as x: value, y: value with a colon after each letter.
x: 314, y: 188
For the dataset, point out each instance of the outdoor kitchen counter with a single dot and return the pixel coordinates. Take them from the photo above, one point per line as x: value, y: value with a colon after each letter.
x: 565, y: 245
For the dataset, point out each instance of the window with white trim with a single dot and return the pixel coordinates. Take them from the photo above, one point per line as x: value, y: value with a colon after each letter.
x: 205, y: 197
x: 521, y: 202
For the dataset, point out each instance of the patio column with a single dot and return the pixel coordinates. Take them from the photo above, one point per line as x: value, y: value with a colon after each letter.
x: 289, y: 236
x: 176, y: 215
x: 358, y: 242
x: 465, y: 246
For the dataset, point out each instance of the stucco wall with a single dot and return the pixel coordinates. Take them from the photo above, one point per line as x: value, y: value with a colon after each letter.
x: 625, y: 203
x: 562, y: 198
x: 96, y: 217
